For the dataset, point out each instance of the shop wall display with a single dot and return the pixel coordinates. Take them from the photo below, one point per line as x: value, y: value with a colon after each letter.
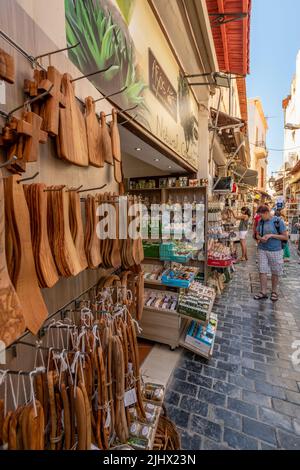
x: 126, y: 35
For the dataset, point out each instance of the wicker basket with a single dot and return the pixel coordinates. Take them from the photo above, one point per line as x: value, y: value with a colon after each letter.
x: 167, y: 436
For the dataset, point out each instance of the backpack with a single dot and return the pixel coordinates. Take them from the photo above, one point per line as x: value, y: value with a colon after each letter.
x: 277, y: 227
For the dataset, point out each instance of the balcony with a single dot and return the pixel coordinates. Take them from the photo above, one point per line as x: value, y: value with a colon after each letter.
x: 261, y: 149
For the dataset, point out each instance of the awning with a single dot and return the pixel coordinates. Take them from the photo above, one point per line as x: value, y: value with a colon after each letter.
x: 263, y: 193
x: 228, y: 125
x: 246, y: 176
x: 230, y: 22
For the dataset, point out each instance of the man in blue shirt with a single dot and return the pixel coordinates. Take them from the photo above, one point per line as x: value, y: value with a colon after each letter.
x: 270, y: 233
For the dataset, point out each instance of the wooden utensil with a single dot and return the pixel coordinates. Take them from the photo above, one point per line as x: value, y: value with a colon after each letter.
x: 93, y: 131
x: 12, y: 323
x: 53, y: 101
x: 77, y: 233
x: 36, y: 198
x: 33, y: 306
x: 30, y: 127
x: 115, y: 136
x: 92, y: 244
x: 7, y: 67
x: 105, y: 140
x: 118, y: 171
x: 72, y: 138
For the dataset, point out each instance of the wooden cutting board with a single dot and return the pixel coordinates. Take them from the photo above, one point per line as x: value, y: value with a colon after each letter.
x: 105, y: 140
x: 61, y: 241
x: 72, y: 139
x: 78, y: 234
x: 33, y: 306
x: 53, y: 101
x: 93, y: 131
x: 115, y: 136
x: 30, y: 127
x: 12, y: 323
x: 7, y: 67
x: 36, y: 198
x: 92, y: 243
x: 118, y: 171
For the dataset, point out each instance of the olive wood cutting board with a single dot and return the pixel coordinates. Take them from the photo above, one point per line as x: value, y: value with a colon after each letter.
x: 53, y: 101
x: 61, y: 241
x: 92, y: 243
x: 26, y: 285
x: 7, y: 67
x: 72, y: 139
x: 31, y: 127
x: 12, y: 323
x: 105, y: 140
x: 36, y: 198
x: 77, y: 232
x: 115, y: 136
x: 93, y: 131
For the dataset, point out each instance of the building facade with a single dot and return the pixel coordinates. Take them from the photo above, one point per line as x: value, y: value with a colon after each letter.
x: 258, y: 128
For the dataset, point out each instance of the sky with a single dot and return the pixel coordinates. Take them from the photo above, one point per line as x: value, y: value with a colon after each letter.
x: 274, y: 43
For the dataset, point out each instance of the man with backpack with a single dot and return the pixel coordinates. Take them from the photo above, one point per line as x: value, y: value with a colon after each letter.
x: 271, y: 234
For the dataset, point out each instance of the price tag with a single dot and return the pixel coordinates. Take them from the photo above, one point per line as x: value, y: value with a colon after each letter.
x: 130, y: 397
x: 2, y: 92
x: 108, y: 419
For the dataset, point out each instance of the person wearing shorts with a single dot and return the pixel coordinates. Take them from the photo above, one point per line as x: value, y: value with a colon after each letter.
x: 270, y: 233
x: 243, y: 230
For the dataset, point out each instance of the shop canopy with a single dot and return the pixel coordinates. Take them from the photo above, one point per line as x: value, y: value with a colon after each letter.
x: 246, y: 176
x: 230, y: 22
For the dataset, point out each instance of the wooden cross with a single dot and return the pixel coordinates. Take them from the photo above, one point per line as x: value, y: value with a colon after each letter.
x: 55, y: 100
x: 7, y: 67
x: 30, y: 127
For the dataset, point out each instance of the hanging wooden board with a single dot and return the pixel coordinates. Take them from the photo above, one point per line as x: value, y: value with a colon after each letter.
x: 53, y: 101
x: 78, y: 234
x: 12, y: 323
x: 36, y: 198
x: 115, y: 136
x: 92, y: 242
x: 30, y: 126
x: 118, y: 171
x: 105, y: 140
x: 7, y: 67
x: 93, y: 131
x: 72, y: 139
x: 27, y: 288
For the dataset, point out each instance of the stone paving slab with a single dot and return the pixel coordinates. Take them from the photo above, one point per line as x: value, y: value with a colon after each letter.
x: 248, y: 395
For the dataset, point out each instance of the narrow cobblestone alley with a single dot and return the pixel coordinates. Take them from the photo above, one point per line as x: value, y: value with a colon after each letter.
x: 248, y: 395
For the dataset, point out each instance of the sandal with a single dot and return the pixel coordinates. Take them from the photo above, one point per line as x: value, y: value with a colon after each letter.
x: 260, y: 296
x: 274, y: 296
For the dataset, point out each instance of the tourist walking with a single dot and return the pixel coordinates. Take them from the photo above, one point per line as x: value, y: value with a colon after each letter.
x: 243, y: 230
x: 271, y: 232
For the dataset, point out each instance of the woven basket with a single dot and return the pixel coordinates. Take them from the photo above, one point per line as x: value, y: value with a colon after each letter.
x: 167, y: 436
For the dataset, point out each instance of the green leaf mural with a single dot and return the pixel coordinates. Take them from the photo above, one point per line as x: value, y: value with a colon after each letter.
x: 105, y: 42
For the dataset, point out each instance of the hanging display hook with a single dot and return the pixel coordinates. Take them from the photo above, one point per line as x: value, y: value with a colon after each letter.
x: 9, y: 162
x: 128, y: 120
x: 111, y: 94
x: 74, y: 189
x: 56, y: 51
x: 90, y: 74
x: 124, y: 110
x: 92, y: 189
x: 29, y: 178
x: 31, y: 100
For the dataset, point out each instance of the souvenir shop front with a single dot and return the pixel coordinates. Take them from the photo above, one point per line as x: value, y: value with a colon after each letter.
x: 80, y: 169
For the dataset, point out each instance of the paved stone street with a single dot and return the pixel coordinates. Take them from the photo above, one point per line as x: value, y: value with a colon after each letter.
x: 248, y: 395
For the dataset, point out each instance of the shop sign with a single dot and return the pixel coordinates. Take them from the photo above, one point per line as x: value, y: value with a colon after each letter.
x: 126, y: 36
x: 161, y: 86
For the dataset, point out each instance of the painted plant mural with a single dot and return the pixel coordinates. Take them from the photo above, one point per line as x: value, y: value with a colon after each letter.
x: 105, y: 41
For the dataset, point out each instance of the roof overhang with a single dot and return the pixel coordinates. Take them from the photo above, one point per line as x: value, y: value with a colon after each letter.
x: 230, y: 22
x: 246, y: 176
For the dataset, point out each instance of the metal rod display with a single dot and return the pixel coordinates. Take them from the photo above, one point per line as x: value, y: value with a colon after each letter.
x: 90, y: 74
x: 31, y: 100
x: 111, y: 94
x: 9, y: 162
x: 124, y: 110
x: 56, y: 51
x: 74, y: 189
x: 29, y: 178
x: 92, y: 189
